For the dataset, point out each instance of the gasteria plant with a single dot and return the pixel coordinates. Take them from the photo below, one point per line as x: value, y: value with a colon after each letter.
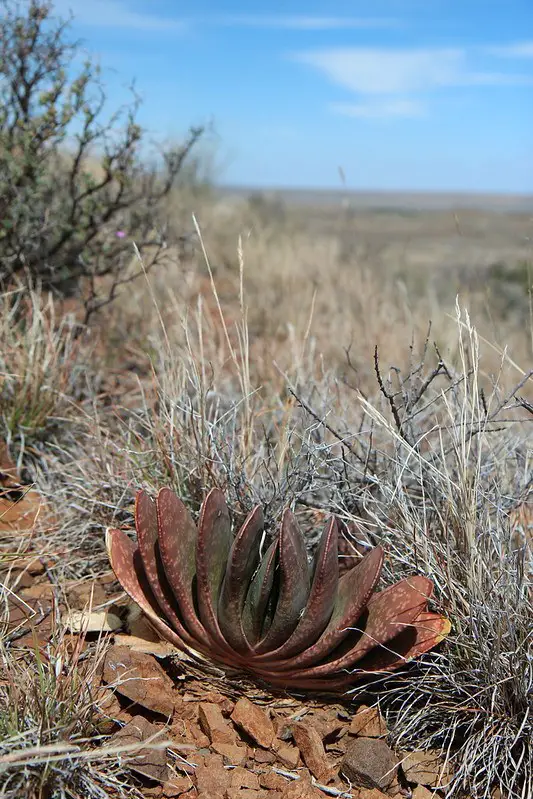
x: 215, y: 598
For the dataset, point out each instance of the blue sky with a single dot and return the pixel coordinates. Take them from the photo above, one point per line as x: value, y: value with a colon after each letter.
x: 400, y: 94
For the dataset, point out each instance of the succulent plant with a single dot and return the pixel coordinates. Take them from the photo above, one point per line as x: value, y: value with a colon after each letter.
x: 216, y: 597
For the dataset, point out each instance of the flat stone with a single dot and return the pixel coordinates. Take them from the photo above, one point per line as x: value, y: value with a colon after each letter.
x: 140, y: 678
x: 420, y: 792
x: 288, y: 755
x: 232, y: 754
x: 148, y: 762
x: 243, y: 778
x: 264, y: 756
x: 214, y: 725
x: 369, y: 763
x: 272, y: 781
x: 177, y: 786
x: 425, y: 768
x: 368, y: 723
x: 309, y: 742
x: 300, y: 789
x: 81, y: 595
x: 211, y: 776
x: 254, y: 721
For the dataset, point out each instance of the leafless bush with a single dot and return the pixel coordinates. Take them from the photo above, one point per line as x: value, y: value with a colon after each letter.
x: 75, y: 185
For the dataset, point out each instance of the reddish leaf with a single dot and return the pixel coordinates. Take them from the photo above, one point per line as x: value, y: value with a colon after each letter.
x: 212, y: 549
x: 125, y: 562
x: 321, y: 600
x: 294, y: 584
x: 388, y: 613
x: 354, y: 591
x: 242, y: 563
x: 428, y: 630
x: 177, y: 544
x: 146, y: 526
x: 431, y: 629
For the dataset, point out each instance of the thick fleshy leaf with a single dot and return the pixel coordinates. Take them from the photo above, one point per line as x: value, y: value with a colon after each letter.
x: 321, y: 600
x: 208, y: 596
x: 431, y: 630
x: 127, y: 565
x: 387, y: 614
x: 242, y: 562
x: 177, y: 544
x: 258, y: 595
x: 212, y: 550
x: 294, y: 584
x: 354, y: 590
x: 426, y: 632
x: 147, y: 537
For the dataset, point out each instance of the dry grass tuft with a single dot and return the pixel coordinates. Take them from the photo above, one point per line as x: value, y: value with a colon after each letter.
x: 40, y: 366
x: 50, y: 745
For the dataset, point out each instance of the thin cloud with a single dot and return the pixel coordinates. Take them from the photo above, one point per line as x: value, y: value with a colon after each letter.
x: 304, y: 23
x: 515, y: 50
x: 381, y: 109
x: 388, y: 71
x: 115, y: 14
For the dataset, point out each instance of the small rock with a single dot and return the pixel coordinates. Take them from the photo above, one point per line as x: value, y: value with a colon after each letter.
x: 272, y: 781
x: 214, y: 725
x: 300, y: 789
x: 309, y: 742
x: 211, y: 777
x: 177, y: 786
x: 264, y: 756
x: 425, y: 768
x: 368, y: 723
x: 82, y: 595
x: 216, y: 698
x: 140, y: 678
x: 148, y: 762
x: 420, y: 792
x: 40, y: 591
x: 288, y: 755
x: 232, y: 754
x: 254, y: 722
x: 83, y: 621
x: 370, y: 763
x: 243, y: 778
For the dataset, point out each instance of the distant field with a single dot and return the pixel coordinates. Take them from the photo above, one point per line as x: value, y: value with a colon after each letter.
x: 448, y: 244
x: 423, y: 201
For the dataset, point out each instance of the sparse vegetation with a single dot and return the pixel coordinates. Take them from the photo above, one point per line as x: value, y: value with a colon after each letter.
x: 285, y: 362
